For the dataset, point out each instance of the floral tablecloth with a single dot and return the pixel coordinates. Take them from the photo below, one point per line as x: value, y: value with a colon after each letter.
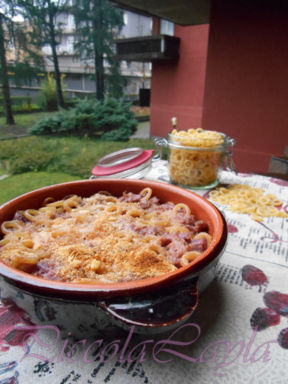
x: 216, y: 345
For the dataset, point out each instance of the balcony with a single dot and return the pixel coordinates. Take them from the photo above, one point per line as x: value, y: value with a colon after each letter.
x: 148, y: 48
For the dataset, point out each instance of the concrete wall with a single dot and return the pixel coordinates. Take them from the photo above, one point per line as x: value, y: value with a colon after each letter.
x: 177, y: 87
x: 246, y: 93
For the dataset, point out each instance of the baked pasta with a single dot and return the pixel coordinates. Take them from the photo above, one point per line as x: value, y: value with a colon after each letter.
x: 103, y: 238
x: 197, y: 165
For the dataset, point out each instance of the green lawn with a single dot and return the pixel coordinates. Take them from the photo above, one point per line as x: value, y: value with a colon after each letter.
x: 22, y: 123
x: 70, y: 155
x: 16, y: 185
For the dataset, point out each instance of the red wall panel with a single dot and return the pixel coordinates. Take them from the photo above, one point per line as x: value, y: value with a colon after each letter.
x: 246, y: 94
x: 177, y: 87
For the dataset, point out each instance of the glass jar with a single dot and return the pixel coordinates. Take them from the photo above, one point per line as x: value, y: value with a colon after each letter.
x: 196, y: 164
x: 129, y: 163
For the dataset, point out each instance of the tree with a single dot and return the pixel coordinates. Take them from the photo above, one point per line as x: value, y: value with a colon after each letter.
x: 24, y: 61
x: 97, y: 23
x: 5, y: 24
x: 27, y: 61
x: 43, y: 16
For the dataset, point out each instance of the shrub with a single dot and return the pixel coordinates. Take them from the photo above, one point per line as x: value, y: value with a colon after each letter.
x: 71, y: 102
x: 48, y: 125
x: 20, y: 104
x: 48, y: 94
x: 24, y: 108
x: 110, y: 119
x: 22, y: 159
x: 121, y: 134
x: 30, y: 108
x: 17, y: 100
x: 31, y: 162
x: 70, y: 155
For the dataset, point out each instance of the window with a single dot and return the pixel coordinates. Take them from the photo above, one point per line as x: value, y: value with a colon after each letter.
x: 125, y: 19
x: 166, y: 27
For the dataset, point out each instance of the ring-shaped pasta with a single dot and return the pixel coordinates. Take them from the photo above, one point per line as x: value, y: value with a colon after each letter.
x: 188, y: 257
x: 277, y: 202
x: 105, y: 193
x: 263, y: 200
x: 203, y: 235
x: 182, y: 206
x: 243, y: 198
x: 68, y: 197
x: 112, y: 208
x: 70, y: 203
x: 256, y: 217
x: 9, y: 226
x: 49, y: 211
x: 156, y: 248
x: 134, y: 212
x: 48, y: 200
x: 56, y: 204
x: 146, y: 193
x: 31, y: 214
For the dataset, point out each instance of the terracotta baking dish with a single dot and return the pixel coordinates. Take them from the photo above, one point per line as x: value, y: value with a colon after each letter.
x: 143, y: 303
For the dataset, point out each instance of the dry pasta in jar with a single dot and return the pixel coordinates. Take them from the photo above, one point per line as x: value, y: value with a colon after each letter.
x: 195, y: 157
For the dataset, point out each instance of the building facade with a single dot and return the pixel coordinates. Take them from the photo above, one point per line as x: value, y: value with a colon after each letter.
x: 77, y: 73
x: 231, y: 75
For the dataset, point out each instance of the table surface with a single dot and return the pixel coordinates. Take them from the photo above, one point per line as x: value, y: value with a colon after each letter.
x: 216, y: 345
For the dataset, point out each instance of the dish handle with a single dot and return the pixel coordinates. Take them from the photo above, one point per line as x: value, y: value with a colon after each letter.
x: 160, y: 308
